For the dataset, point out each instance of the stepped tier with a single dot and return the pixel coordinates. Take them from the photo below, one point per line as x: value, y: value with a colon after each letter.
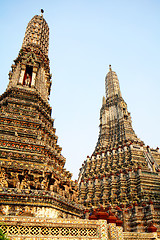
x: 121, y: 170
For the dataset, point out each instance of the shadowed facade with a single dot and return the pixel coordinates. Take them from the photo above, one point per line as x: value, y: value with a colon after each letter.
x: 122, y: 171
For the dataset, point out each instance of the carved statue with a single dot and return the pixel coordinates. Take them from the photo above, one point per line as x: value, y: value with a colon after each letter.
x: 27, y: 80
x: 18, y: 184
x: 14, y: 180
x: 75, y: 196
x: 55, y: 186
x: 60, y: 191
x: 36, y: 183
x: 25, y: 184
x: 44, y: 184
x: 3, y: 181
x: 66, y: 191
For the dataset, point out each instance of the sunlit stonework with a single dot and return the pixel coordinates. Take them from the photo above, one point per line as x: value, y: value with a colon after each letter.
x: 33, y: 180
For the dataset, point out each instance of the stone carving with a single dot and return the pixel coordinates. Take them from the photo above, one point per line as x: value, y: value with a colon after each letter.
x: 27, y: 81
x: 25, y: 184
x: 55, y: 186
x: 66, y: 190
x: 44, y: 184
x: 3, y: 180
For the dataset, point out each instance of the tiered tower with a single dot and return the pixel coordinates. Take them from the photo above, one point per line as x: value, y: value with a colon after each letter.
x: 122, y: 171
x: 33, y: 180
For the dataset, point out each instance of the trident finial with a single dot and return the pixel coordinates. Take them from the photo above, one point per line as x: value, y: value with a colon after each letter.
x: 110, y: 69
x: 42, y: 11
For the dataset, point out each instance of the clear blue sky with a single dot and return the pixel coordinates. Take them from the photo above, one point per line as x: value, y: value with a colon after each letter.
x: 85, y: 37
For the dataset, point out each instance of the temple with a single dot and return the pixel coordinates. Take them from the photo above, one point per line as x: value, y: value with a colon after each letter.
x: 118, y: 188
x: 33, y: 180
x: 122, y: 172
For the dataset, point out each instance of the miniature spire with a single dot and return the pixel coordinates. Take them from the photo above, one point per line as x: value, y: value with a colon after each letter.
x: 103, y: 101
x: 112, y: 84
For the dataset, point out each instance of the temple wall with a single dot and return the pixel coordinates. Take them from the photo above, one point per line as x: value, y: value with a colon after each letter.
x: 15, y: 77
x: 144, y: 236
x: 30, y: 228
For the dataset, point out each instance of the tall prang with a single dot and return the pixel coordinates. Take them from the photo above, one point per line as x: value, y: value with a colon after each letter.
x: 122, y: 172
x: 33, y: 180
x: 115, y: 120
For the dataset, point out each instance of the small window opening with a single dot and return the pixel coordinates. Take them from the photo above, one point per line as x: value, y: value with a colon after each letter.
x: 28, y: 76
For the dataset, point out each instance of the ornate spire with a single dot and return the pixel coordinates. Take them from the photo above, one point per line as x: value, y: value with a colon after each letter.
x: 31, y: 69
x: 112, y: 84
x: 37, y: 34
x: 115, y: 120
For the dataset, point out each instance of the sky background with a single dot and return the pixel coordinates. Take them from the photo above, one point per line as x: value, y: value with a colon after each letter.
x: 85, y: 37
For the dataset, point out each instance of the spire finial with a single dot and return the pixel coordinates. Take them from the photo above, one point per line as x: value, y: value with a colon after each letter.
x: 42, y: 11
x: 110, y: 69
